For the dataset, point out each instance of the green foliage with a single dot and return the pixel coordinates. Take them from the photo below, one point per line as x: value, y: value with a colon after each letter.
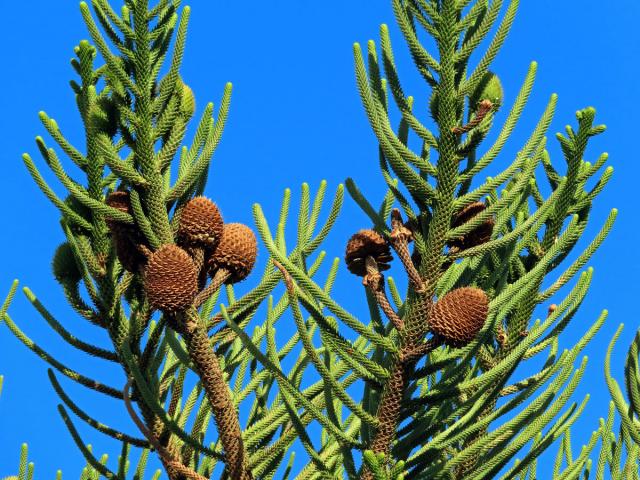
x: 377, y: 465
x: 25, y: 468
x: 135, y: 126
x: 620, y: 453
x: 462, y: 396
x: 391, y: 400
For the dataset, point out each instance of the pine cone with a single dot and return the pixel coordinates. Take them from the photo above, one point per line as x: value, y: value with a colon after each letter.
x: 188, y: 101
x: 459, y: 315
x: 126, y: 238
x: 489, y: 88
x: 236, y: 252
x: 64, y: 266
x: 128, y: 253
x: 200, y: 224
x: 171, y: 279
x: 479, y: 235
x: 363, y: 244
x: 120, y: 200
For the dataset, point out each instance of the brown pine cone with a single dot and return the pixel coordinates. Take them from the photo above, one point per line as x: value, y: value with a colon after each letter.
x: 127, y: 238
x: 236, y: 252
x: 479, y: 235
x: 459, y: 315
x: 128, y: 250
x: 363, y: 244
x: 120, y: 200
x: 200, y: 224
x: 171, y: 279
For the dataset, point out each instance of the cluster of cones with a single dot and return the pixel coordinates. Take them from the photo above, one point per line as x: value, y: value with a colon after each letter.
x: 175, y: 274
x: 457, y: 317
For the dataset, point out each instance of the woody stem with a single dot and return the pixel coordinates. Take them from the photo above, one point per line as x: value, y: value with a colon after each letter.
x: 483, y: 109
x: 207, y: 367
x: 399, y: 240
x: 412, y: 349
x: 374, y: 281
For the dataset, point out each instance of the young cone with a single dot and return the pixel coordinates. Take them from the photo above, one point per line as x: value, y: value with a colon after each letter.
x: 64, y: 266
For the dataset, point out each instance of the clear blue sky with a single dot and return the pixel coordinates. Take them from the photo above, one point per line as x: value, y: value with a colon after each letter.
x: 296, y: 117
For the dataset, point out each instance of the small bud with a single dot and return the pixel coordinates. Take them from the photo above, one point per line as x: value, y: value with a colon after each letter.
x: 434, y: 104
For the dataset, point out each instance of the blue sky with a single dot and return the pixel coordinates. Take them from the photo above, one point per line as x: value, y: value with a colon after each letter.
x: 296, y: 117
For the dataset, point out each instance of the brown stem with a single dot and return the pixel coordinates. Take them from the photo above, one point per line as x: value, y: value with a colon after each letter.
x: 211, y: 376
x: 388, y: 413
x: 288, y: 281
x: 484, y: 108
x: 399, y: 239
x: 385, y: 306
x: 412, y: 349
x: 174, y: 468
x: 374, y: 281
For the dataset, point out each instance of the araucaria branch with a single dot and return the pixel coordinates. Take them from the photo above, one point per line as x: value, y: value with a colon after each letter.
x: 420, y: 386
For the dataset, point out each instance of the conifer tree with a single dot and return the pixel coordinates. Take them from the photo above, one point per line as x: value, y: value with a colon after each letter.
x: 425, y: 387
